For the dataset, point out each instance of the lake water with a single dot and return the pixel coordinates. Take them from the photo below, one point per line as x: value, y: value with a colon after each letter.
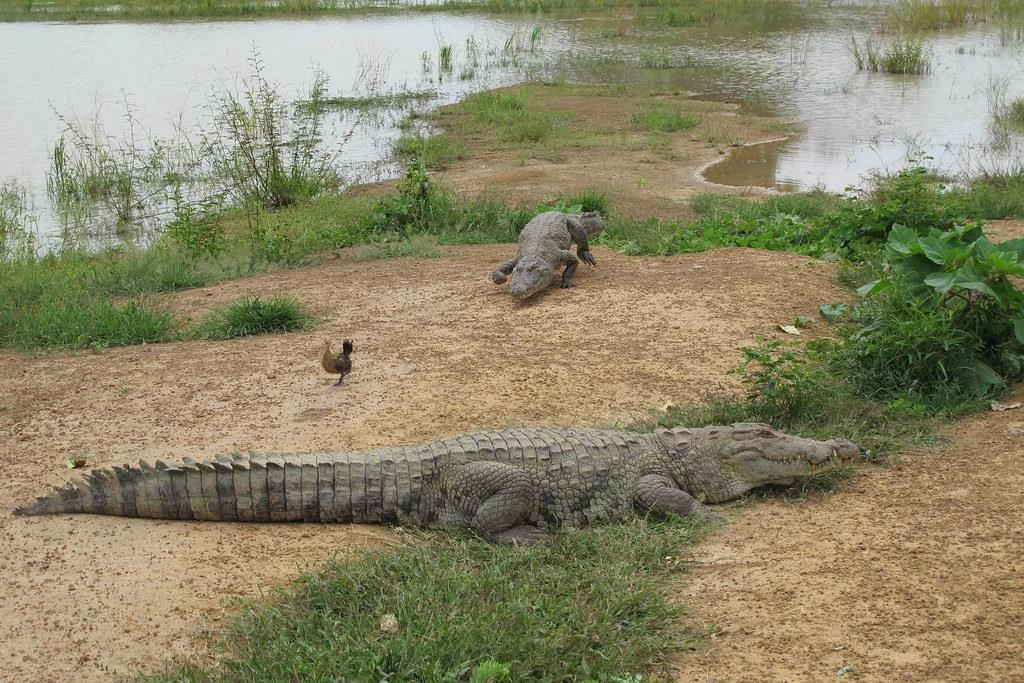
x: 854, y: 123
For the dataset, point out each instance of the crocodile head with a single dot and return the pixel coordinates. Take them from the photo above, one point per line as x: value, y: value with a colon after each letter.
x: 723, y: 463
x: 529, y: 277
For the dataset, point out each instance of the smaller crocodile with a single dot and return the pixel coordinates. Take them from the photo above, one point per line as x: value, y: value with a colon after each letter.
x: 543, y: 247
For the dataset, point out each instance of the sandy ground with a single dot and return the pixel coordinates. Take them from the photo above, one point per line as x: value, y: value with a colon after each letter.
x: 907, y: 573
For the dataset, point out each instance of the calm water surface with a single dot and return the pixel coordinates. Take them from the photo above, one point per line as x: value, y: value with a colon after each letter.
x: 854, y: 123
x: 165, y: 75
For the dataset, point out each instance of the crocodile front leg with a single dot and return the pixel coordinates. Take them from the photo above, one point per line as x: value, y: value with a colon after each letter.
x: 571, y: 263
x: 502, y: 272
x: 658, y: 494
x: 495, y: 499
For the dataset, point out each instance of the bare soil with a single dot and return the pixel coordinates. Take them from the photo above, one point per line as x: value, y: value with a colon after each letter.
x: 911, y: 572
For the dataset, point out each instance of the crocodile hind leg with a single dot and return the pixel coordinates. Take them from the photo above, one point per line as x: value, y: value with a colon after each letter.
x: 495, y: 499
x: 578, y: 232
x: 661, y: 496
x: 502, y: 272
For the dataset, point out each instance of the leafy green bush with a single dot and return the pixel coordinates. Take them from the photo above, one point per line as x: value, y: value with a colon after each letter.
x: 253, y: 315
x: 914, y: 197
x: 945, y: 325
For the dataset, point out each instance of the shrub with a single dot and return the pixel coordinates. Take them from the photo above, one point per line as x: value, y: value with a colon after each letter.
x: 945, y: 325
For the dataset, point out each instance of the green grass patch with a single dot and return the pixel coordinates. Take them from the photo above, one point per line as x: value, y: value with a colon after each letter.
x: 588, y: 605
x: 665, y: 119
x: 253, y: 315
x: 437, y: 152
x: 512, y: 116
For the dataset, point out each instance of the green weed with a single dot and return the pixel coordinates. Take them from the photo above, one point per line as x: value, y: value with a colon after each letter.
x: 444, y: 58
x: 933, y: 15
x: 655, y: 59
x: 515, y: 121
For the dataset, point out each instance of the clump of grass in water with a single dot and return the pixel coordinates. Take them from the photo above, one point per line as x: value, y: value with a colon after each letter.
x: 17, y: 224
x: 266, y: 153
x: 253, y: 315
x: 590, y: 604
x: 535, y: 35
x: 655, y: 59
x: 902, y: 56
x: 375, y: 101
x: 445, y: 58
x: 1015, y: 113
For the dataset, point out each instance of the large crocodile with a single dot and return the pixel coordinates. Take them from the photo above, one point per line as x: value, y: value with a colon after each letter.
x: 543, y: 248
x: 508, y: 485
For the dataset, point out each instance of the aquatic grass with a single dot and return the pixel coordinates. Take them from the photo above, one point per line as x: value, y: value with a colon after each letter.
x: 592, y: 604
x: 252, y: 315
x: 762, y: 13
x: 393, y: 100
x: 18, y: 240
x: 127, y: 178
x: 902, y: 55
x: 535, y: 36
x: 444, y: 58
x: 935, y: 15
x: 264, y: 152
x: 655, y: 59
x: 1015, y: 113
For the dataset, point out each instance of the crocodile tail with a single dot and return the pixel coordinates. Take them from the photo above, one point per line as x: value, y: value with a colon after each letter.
x: 272, y: 488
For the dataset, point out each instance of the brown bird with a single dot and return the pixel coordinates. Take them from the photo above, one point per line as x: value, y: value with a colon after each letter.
x: 341, y: 363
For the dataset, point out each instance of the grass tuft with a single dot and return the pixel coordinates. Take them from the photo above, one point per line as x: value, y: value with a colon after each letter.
x: 253, y: 315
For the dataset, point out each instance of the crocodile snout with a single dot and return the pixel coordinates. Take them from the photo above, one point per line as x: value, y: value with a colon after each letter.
x: 840, y: 449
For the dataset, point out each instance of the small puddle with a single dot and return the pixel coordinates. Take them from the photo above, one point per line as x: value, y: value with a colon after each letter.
x: 752, y: 166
